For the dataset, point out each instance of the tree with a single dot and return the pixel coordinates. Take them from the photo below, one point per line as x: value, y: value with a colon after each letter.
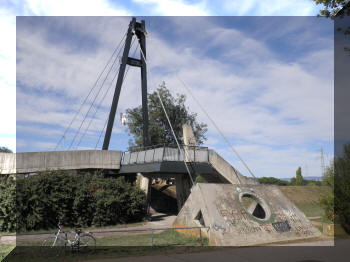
x: 159, y: 129
x: 327, y: 201
x: 342, y: 188
x: 5, y: 149
x: 332, y: 7
x: 273, y: 181
x: 298, y: 180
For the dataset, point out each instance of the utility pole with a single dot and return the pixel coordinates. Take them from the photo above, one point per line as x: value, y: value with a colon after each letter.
x: 138, y: 29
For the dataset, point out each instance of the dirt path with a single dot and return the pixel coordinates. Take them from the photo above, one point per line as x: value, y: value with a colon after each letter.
x: 159, y: 221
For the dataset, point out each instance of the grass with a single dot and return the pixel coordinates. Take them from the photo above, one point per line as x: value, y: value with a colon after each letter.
x: 5, y: 249
x: 306, y: 198
x: 166, y: 242
x: 168, y: 237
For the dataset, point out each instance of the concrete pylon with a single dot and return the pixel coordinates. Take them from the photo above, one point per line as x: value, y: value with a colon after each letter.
x: 183, y: 189
x: 189, y: 138
x: 145, y: 184
x: 189, y: 141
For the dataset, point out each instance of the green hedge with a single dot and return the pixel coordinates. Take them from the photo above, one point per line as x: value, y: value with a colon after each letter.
x: 78, y: 200
x: 7, y: 203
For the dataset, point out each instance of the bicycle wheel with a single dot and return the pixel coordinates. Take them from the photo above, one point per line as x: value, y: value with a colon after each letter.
x: 52, y: 247
x: 86, y: 243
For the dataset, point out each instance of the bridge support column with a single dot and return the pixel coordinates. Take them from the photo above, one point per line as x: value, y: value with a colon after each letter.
x: 183, y: 189
x: 145, y: 184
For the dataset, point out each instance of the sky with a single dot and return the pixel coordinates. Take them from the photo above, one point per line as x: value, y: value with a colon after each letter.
x: 265, y: 77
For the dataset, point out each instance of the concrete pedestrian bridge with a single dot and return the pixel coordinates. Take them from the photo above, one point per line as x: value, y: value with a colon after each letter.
x: 152, y: 161
x: 221, y: 204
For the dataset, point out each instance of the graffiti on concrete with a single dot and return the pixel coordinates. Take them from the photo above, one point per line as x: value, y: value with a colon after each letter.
x: 282, y: 226
x: 220, y: 228
x: 236, y: 214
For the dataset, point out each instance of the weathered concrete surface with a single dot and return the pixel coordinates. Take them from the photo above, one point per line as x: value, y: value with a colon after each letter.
x: 31, y: 162
x: 189, y: 138
x: 224, y: 168
x: 232, y: 225
x: 7, y: 163
x: 183, y: 189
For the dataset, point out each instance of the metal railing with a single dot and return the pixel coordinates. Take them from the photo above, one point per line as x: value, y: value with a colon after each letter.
x: 162, y: 153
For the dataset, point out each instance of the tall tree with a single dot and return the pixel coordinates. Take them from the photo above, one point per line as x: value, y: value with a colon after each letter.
x: 159, y: 129
x: 331, y: 8
x: 298, y: 180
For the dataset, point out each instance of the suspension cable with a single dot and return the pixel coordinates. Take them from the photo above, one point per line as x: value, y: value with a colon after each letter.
x: 104, y: 127
x: 211, y: 120
x: 78, y: 131
x: 167, y: 117
x: 99, y: 105
x: 93, y: 87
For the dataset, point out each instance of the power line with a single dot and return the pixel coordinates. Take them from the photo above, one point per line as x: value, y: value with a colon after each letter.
x: 78, y: 131
x: 93, y: 87
x: 211, y: 120
x: 104, y: 127
x: 171, y: 127
x: 98, y: 107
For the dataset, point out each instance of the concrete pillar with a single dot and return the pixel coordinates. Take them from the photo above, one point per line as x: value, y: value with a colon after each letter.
x: 190, y: 143
x: 145, y: 184
x: 183, y: 189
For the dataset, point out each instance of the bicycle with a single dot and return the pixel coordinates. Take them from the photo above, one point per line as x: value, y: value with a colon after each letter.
x: 83, y: 242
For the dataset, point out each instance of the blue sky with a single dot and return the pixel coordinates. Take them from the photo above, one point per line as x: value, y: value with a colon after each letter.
x: 267, y: 81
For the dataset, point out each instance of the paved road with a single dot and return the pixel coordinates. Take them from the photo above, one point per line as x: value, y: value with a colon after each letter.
x: 338, y: 253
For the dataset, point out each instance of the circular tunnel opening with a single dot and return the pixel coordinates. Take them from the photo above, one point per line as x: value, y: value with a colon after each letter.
x: 254, y: 206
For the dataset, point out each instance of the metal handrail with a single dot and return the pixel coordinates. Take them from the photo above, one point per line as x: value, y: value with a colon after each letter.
x: 166, y: 155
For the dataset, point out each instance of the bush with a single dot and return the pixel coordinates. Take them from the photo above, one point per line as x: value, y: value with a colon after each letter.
x: 78, y: 200
x: 200, y: 179
x: 273, y: 181
x: 342, y: 188
x: 7, y: 203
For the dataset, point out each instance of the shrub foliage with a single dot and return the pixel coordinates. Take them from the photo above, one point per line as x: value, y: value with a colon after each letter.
x: 78, y: 200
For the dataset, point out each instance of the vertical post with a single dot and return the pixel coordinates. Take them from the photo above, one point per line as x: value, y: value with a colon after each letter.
x: 152, y: 238
x: 200, y: 236
x: 142, y: 40
x: 118, y: 85
x: 154, y: 151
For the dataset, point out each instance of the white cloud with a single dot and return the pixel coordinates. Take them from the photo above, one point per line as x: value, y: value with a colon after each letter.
x: 173, y: 7
x: 282, y: 163
x: 293, y: 90
x: 8, y: 141
x: 7, y: 81
x: 270, y: 7
x: 254, y: 98
x: 72, y: 8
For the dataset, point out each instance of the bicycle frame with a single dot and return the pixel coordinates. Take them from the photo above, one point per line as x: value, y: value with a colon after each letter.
x: 65, y: 238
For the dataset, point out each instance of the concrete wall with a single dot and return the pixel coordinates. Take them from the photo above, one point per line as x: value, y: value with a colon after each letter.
x: 31, y: 162
x: 7, y: 163
x: 227, y: 171
x: 232, y: 225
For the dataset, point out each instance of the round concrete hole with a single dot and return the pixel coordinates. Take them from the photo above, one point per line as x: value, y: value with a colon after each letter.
x: 255, y: 206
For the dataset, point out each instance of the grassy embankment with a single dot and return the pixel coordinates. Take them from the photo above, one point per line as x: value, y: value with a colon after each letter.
x: 166, y: 242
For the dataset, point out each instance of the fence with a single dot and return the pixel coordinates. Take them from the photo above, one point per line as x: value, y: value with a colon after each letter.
x: 165, y: 153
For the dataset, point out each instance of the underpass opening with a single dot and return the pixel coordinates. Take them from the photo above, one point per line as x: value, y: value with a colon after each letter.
x: 255, y: 206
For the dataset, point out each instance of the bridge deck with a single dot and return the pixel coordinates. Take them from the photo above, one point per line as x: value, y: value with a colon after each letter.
x: 160, y: 160
x: 31, y: 162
